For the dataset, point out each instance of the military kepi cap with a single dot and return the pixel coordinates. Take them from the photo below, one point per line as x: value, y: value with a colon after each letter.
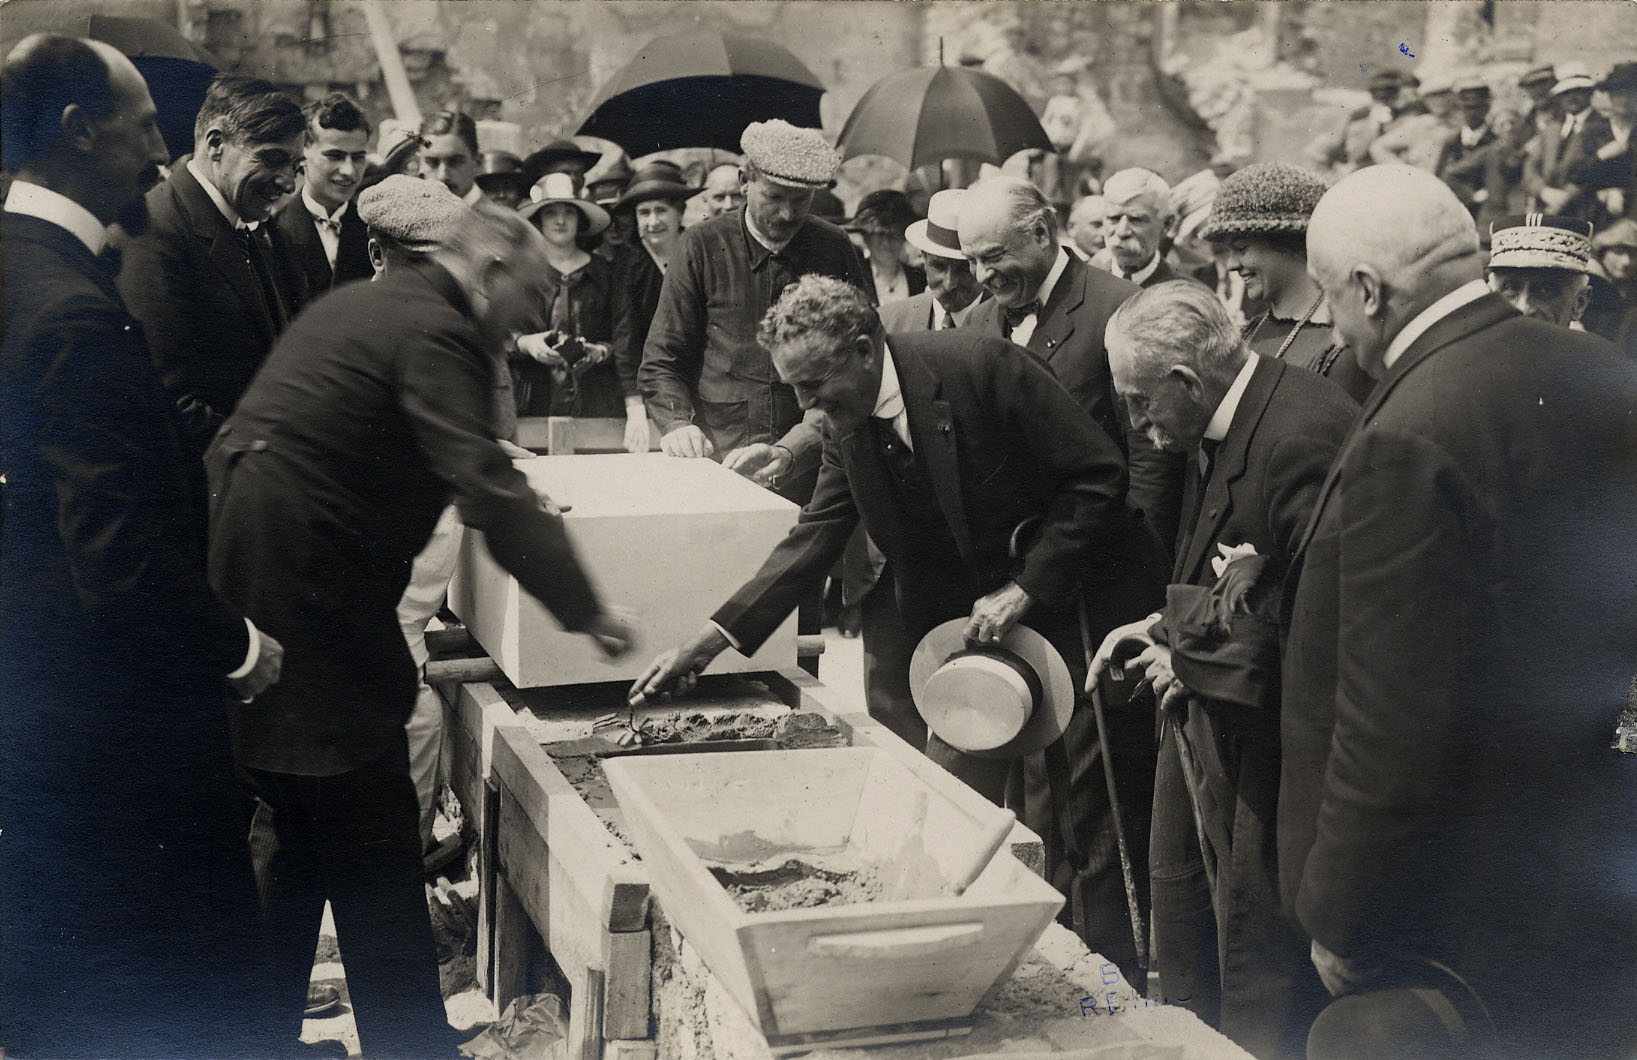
x: 1540, y: 241
x: 790, y: 155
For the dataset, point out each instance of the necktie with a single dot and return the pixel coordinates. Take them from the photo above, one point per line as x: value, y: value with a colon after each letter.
x: 109, y: 258
x: 252, y: 242
x: 1014, y: 316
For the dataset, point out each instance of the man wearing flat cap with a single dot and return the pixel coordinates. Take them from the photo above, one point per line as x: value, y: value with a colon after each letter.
x: 708, y: 383
x: 368, y: 418
x: 1538, y: 263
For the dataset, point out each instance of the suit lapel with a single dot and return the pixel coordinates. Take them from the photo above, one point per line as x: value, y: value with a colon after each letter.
x: 932, y: 428
x: 1474, y: 316
x: 227, y: 256
x: 1056, y: 320
x: 1228, y: 469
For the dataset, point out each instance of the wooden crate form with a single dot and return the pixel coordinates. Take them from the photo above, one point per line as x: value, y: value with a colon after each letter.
x: 844, y: 973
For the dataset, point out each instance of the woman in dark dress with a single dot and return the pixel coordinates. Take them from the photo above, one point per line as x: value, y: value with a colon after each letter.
x: 1260, y: 217
x: 567, y: 370
x: 654, y: 200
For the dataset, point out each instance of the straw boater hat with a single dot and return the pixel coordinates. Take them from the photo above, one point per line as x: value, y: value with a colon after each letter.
x: 789, y: 155
x: 1571, y: 76
x: 1000, y: 701
x: 1538, y: 75
x: 656, y: 180
x: 559, y: 187
x: 937, y: 234
x: 1266, y: 198
x: 1540, y: 241
x: 418, y: 214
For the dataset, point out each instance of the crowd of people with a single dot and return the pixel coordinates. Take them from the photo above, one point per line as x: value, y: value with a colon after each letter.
x: 1321, y: 484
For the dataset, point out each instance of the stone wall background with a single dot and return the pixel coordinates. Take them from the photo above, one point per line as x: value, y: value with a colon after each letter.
x: 1182, y: 81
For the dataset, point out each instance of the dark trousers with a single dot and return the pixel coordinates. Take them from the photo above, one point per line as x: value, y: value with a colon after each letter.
x: 353, y: 839
x: 888, y: 645
x: 1224, y: 947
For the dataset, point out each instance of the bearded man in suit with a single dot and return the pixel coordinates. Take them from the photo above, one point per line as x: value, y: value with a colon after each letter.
x: 1261, y: 434
x: 129, y: 907
x: 323, y: 234
x: 941, y: 445
x: 1460, y: 641
x: 210, y: 279
x: 1050, y: 302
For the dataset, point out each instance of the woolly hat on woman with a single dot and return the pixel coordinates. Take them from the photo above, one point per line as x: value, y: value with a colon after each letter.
x: 1263, y: 199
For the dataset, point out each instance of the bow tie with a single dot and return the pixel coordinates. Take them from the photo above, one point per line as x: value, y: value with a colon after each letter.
x: 328, y: 222
x: 1014, y: 315
x: 109, y: 258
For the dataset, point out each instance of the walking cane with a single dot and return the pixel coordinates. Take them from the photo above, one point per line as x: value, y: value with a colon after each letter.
x: 1139, y: 931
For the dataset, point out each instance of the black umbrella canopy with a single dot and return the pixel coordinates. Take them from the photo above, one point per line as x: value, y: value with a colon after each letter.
x: 701, y: 90
x: 177, y: 70
x: 923, y: 116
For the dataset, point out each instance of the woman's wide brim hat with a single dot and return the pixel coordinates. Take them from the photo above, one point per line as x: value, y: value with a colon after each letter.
x: 1003, y: 700
x: 559, y: 187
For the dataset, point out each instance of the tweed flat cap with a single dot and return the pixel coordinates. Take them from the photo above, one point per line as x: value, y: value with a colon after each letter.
x: 1261, y: 199
x: 1540, y: 241
x: 788, y: 154
x: 420, y: 214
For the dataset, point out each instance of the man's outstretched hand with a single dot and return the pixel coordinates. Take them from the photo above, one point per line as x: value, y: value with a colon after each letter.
x: 676, y: 672
x: 612, y: 630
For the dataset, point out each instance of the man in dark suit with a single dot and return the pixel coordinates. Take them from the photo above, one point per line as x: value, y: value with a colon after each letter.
x: 952, y: 292
x: 322, y: 233
x: 1136, y: 216
x: 209, y: 279
x: 129, y: 907
x: 327, y: 481
x: 1051, y: 303
x: 1467, y: 154
x: 1460, y: 637
x: 941, y: 445
x: 1261, y: 434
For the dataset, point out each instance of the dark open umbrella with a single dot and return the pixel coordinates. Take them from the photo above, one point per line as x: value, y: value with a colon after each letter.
x: 921, y: 117
x: 177, y: 70
x: 701, y: 90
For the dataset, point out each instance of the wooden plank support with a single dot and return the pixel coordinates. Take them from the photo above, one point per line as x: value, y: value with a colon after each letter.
x: 510, y: 972
x: 585, y: 1018
x: 627, y: 984
x: 488, y: 859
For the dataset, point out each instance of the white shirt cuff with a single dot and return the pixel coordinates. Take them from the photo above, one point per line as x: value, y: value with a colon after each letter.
x: 731, y: 639
x: 250, y: 656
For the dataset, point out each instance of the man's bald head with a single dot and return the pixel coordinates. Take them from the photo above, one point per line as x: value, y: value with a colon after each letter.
x: 1384, y: 244
x: 78, y: 120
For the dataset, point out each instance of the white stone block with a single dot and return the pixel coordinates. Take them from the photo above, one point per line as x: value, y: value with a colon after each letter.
x: 668, y: 539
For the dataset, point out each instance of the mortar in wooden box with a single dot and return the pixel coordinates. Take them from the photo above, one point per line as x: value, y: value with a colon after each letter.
x: 919, y: 965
